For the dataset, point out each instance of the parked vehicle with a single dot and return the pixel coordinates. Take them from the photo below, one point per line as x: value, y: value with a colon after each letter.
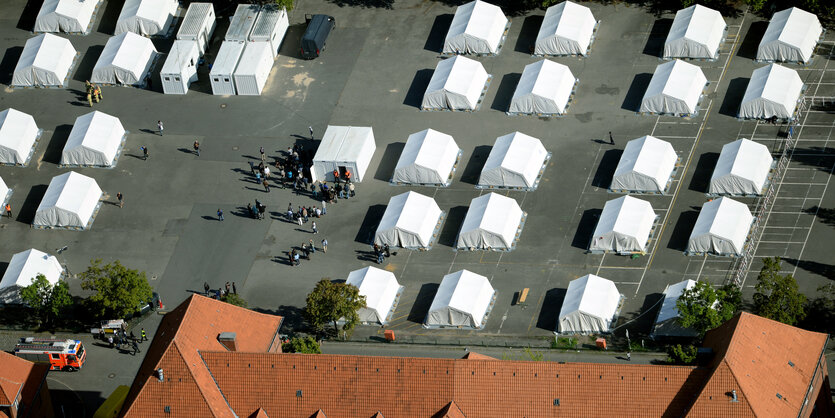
x: 316, y: 36
x: 68, y: 355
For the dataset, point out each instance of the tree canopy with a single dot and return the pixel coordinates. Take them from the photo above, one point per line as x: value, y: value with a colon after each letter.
x: 777, y: 296
x: 234, y: 299
x: 302, y: 345
x: 46, y: 299
x: 703, y: 308
x: 329, y: 302
x: 118, y: 290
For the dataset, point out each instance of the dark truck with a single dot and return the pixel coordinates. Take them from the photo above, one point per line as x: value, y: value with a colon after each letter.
x: 316, y: 36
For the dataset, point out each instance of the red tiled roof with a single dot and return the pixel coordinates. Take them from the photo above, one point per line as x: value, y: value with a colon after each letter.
x: 8, y: 390
x: 260, y: 413
x: 19, y: 376
x: 450, y: 411
x: 319, y: 414
x: 476, y: 356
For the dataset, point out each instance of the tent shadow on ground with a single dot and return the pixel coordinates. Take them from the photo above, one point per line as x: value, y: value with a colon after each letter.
x: 751, y: 42
x: 29, y: 15
x: 606, y: 168
x: 26, y: 212
x: 85, y: 68
x: 825, y: 215
x: 528, y: 33
x: 108, y: 17
x: 636, y: 91
x: 550, y: 311
x: 452, y: 224
x: 733, y: 96
x: 505, y: 91
x: 683, y: 229
x: 368, y: 227
x: 437, y: 35
x: 423, y: 302
x: 582, y: 238
x: 815, y: 156
x: 414, y: 97
x: 52, y: 153
x: 821, y: 269
x: 641, y: 321
x: 476, y: 162
x: 389, y: 161
x: 8, y: 64
x: 657, y: 37
x: 704, y: 169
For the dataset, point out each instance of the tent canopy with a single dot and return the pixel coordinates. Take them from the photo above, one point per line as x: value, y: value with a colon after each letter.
x: 71, y: 16
x: 675, y: 88
x: 515, y: 161
x: 624, y: 226
x: 70, y: 201
x: 146, y: 17
x: 567, y: 29
x: 4, y: 191
x: 126, y: 59
x: 381, y: 291
x: 493, y: 222
x: 94, y: 140
x: 46, y: 60
x: 666, y: 324
x: 350, y: 147
x: 721, y: 228
x: 773, y: 91
x: 456, y: 84
x: 22, y: 270
x: 590, y: 304
x: 742, y: 169
x: 697, y: 32
x: 409, y: 221
x: 545, y: 87
x: 463, y: 300
x: 791, y: 36
x: 18, y: 133
x: 428, y: 158
x: 646, y: 165
x: 477, y: 28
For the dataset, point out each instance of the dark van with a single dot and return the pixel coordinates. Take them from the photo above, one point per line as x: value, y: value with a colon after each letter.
x: 313, y: 40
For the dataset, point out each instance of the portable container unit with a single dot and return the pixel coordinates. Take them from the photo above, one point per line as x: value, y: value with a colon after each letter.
x: 180, y: 68
x: 271, y: 26
x: 242, y: 22
x: 198, y: 25
x: 253, y: 69
x: 223, y: 69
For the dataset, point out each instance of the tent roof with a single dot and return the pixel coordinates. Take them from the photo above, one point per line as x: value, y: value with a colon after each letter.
x: 127, y: 51
x: 25, y: 266
x: 671, y: 294
x: 77, y: 10
x: 627, y: 216
x: 493, y: 214
x: 18, y: 132
x: 4, y: 191
x: 72, y: 192
x: 459, y: 75
x: 379, y: 287
x: 517, y: 153
x: 97, y: 132
x: 568, y: 20
x: 726, y: 219
x: 679, y: 81
x: 431, y: 150
x: 156, y: 11
x: 698, y: 24
x: 343, y: 143
x: 480, y: 20
x: 743, y: 159
x: 775, y: 83
x: 465, y: 292
x: 648, y: 157
x: 413, y: 213
x: 795, y: 28
x: 548, y: 80
x: 43, y: 52
x: 591, y: 295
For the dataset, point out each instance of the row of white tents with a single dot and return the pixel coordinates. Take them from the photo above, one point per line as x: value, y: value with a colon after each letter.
x: 143, y: 17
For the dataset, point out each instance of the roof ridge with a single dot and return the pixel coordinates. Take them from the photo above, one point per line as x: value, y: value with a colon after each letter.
x: 215, y: 382
x: 737, y: 381
x: 190, y: 369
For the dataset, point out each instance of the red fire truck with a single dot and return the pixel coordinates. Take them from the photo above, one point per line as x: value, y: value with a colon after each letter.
x: 66, y: 355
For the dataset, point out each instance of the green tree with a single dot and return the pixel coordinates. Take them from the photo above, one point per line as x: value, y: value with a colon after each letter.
x: 679, y: 354
x: 777, y: 296
x: 703, y: 308
x: 756, y: 5
x: 330, y: 302
x: 46, y: 299
x: 234, y: 299
x: 302, y: 345
x: 118, y: 290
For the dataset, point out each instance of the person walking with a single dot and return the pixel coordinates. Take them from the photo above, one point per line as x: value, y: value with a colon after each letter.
x: 8, y: 209
x: 135, y: 348
x: 121, y: 200
x: 228, y: 287
x: 197, y: 148
x: 97, y: 93
x: 266, y: 185
x: 324, y: 208
x: 144, y: 152
x: 206, y: 288
x: 325, y: 245
x: 305, y: 251
x: 611, y: 139
x: 263, y: 155
x: 310, y: 128
x: 311, y: 246
x: 314, y: 228
x: 234, y: 289
x: 252, y: 168
x: 143, y: 335
x: 628, y: 356
x: 220, y: 215
x: 159, y: 127
x: 350, y: 190
x: 386, y: 250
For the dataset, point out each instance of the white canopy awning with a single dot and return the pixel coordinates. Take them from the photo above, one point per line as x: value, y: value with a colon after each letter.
x: 410, y: 221
x: 344, y: 147
x: 126, y: 59
x: 18, y: 133
x: 70, y: 201
x: 22, y: 270
x: 456, y: 84
x: 675, y: 88
x: 791, y: 36
x: 463, y: 300
x: 146, y: 17
x: 71, y: 16
x: 721, y: 228
x: 697, y: 32
x: 381, y: 292
x: 516, y: 161
x: 544, y: 88
x: 477, y: 28
x: 666, y: 325
x: 493, y: 222
x: 774, y: 90
x: 46, y: 61
x: 567, y: 29
x: 428, y: 158
x: 4, y: 192
x: 94, y: 140
x: 590, y: 305
x: 646, y: 166
x: 624, y: 226
x: 742, y: 169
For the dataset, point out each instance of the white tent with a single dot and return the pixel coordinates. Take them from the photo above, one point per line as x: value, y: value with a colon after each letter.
x: 666, y: 324
x: 18, y: 137
x: 344, y: 148
x: 126, y: 59
x: 774, y: 90
x: 590, y: 306
x: 95, y: 140
x: 624, y: 226
x: 477, y: 28
x: 791, y: 36
x: 567, y: 29
x: 71, y: 201
x: 5, y: 192
x: 456, y: 84
x: 516, y: 161
x: 22, y: 270
x: 697, y: 32
x: 646, y: 166
x: 493, y: 222
x: 721, y: 228
x: 411, y: 221
x: 742, y: 169
x: 464, y: 299
x: 429, y: 158
x: 675, y: 88
x: 381, y: 292
x: 46, y: 61
x: 146, y: 17
x: 71, y: 16
x: 180, y: 68
x: 544, y: 88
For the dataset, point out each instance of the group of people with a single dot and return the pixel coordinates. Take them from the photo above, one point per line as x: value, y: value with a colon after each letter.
x: 229, y: 288
x: 380, y: 253
x: 307, y: 249
x: 256, y: 211
x: 121, y: 338
x: 93, y: 92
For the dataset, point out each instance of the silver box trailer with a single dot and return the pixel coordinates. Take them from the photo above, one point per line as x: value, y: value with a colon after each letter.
x: 223, y: 69
x: 253, y: 69
x: 271, y: 26
x: 241, y: 22
x: 198, y: 25
x: 180, y: 68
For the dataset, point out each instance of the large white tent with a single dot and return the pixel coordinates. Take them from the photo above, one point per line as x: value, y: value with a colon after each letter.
x: 5, y: 192
x: 477, y: 28
x: 721, y: 228
x: 590, y: 305
x: 71, y: 201
x: 773, y: 91
x: 344, y: 148
x: 22, y: 270
x: 126, y: 59
x: 457, y: 84
x: 791, y: 36
x: 544, y: 88
x: 146, y: 17
x: 71, y: 16
x: 742, y: 169
x: 624, y: 226
x: 464, y: 299
x: 18, y: 137
x: 697, y: 32
x: 646, y: 166
x: 429, y: 158
x: 516, y: 161
x: 95, y: 140
x: 46, y: 61
x: 411, y: 220
x: 493, y: 222
x: 675, y: 88
x: 567, y: 29
x: 666, y: 324
x: 381, y: 292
